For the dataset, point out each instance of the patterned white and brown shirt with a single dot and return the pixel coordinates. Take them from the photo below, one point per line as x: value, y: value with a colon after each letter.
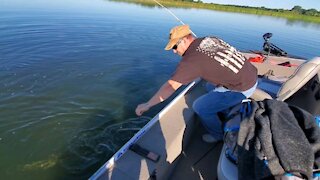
x: 217, y: 62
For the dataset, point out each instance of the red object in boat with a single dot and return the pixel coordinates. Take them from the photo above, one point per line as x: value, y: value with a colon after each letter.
x: 258, y: 59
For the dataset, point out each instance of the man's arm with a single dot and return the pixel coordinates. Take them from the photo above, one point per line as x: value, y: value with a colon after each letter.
x: 166, y: 90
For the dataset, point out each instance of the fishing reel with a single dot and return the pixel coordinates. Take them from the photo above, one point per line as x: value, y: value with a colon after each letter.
x: 271, y: 48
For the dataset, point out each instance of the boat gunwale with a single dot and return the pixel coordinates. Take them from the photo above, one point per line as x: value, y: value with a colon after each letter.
x: 109, y: 164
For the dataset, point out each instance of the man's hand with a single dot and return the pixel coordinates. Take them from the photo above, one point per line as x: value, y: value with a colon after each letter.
x: 166, y: 90
x: 141, y: 108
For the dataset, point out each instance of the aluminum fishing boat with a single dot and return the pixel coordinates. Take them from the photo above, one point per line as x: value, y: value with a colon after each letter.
x: 170, y: 145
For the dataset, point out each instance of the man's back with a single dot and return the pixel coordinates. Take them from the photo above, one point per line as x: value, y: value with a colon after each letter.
x: 218, y: 63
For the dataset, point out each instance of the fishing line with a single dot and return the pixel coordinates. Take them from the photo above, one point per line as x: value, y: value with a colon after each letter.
x: 171, y: 13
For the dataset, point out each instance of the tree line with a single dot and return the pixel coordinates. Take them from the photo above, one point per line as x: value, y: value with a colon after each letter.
x: 294, y: 10
x: 308, y: 12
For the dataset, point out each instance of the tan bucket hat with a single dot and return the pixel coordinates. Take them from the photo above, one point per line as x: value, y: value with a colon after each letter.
x: 176, y: 33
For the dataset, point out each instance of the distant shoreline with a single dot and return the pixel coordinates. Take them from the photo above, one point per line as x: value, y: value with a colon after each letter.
x: 288, y: 14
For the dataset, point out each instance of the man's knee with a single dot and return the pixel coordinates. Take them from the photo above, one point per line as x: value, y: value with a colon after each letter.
x: 201, y: 108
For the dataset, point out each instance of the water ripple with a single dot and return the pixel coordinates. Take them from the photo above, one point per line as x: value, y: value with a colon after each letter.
x: 89, y: 145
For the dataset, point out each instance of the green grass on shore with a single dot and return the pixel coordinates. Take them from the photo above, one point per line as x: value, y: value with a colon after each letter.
x: 230, y: 8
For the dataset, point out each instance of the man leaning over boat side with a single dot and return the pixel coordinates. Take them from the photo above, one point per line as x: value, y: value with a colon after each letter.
x: 231, y: 78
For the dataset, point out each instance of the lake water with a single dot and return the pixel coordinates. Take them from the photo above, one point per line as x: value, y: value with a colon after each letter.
x: 72, y: 73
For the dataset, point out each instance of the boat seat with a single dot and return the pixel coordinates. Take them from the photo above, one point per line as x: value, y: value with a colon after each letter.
x: 299, y: 78
x: 226, y: 170
x: 260, y: 95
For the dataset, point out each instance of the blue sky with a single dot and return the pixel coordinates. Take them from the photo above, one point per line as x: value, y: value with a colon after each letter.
x: 285, y: 4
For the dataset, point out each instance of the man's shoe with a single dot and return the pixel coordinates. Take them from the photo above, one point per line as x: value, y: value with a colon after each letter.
x: 208, y: 138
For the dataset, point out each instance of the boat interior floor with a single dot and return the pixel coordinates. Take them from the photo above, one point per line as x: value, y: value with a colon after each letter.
x: 199, y: 159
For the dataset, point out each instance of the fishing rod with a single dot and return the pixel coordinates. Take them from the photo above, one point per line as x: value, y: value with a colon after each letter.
x: 171, y: 13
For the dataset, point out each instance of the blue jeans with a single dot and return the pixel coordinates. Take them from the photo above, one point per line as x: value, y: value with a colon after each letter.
x: 207, y: 106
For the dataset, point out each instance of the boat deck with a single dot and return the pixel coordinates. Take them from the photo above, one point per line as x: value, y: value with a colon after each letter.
x: 199, y: 160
